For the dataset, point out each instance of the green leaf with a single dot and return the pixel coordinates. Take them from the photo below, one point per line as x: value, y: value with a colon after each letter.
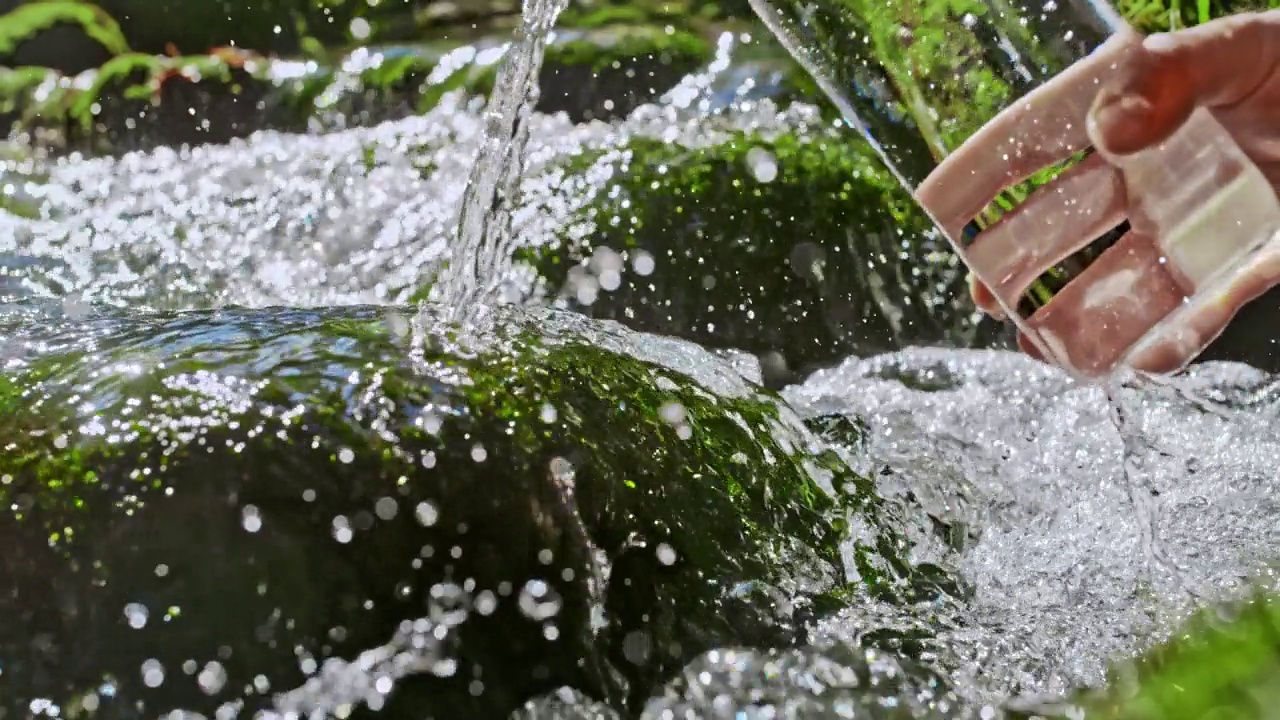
x: 25, y: 21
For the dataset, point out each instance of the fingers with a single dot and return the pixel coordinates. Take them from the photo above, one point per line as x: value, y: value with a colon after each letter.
x: 1093, y: 321
x: 1214, y: 65
x: 1039, y: 130
x: 1057, y: 220
x: 1093, y: 335
x: 984, y: 299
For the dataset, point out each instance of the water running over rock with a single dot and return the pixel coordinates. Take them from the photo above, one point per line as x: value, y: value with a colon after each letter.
x: 176, y: 548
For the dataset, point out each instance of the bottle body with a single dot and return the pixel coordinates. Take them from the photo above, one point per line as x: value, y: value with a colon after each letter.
x: 1204, y: 222
x: 980, y: 108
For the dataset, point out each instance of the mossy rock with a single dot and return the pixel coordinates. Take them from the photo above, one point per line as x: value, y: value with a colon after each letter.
x: 601, y: 73
x: 137, y: 101
x: 224, y: 496
x: 801, y: 246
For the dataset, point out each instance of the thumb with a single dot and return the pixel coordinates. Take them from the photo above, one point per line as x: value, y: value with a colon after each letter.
x: 1217, y: 64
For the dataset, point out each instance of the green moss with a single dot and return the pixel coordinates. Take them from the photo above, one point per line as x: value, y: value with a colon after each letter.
x: 827, y: 258
x: 557, y: 450
x: 648, y: 12
x: 574, y: 17
x: 1222, y: 664
x: 17, y: 86
x: 1151, y: 16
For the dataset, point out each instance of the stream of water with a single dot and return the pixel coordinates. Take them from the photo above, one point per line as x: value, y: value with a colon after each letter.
x: 480, y: 256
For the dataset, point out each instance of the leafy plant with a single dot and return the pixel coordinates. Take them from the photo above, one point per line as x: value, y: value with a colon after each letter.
x: 25, y: 21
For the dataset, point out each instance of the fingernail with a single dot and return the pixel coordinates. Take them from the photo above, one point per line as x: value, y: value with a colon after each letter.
x: 1117, y: 124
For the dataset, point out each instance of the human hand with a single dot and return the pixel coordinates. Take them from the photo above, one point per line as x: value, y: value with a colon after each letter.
x: 1131, y: 94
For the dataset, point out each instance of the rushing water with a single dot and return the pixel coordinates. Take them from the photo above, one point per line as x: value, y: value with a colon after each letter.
x: 1070, y: 554
x: 480, y: 254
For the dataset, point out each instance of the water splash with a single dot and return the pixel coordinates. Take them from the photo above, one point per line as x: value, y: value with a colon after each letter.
x: 1065, y: 574
x: 482, y: 252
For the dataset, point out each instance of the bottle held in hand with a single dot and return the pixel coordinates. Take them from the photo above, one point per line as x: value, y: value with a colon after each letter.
x: 1193, y: 225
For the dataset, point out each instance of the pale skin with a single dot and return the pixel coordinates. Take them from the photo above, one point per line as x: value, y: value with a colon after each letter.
x: 1131, y: 94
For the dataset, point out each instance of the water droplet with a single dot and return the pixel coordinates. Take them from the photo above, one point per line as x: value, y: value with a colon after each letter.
x: 672, y: 413
x: 212, y: 678
x: 342, y: 531
x: 250, y: 520
x: 763, y: 165
x: 426, y: 514
x: 562, y: 471
x: 386, y: 508
x: 152, y: 673
x: 666, y: 554
x: 449, y: 604
x: 548, y: 414
x: 643, y: 263
x: 136, y: 614
x: 538, y: 600
x: 360, y: 29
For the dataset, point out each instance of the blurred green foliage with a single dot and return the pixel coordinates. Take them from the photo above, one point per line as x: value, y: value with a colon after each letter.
x: 26, y: 21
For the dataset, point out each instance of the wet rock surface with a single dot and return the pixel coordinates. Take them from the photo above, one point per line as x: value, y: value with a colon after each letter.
x: 298, y: 510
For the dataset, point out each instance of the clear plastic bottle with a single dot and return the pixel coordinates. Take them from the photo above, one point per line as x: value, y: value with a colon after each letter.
x: 1203, y: 219
x: 1101, y: 262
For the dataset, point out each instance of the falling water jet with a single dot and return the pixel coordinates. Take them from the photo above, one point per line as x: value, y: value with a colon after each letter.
x: 481, y: 255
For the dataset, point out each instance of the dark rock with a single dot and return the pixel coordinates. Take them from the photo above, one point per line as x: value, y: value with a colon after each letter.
x: 212, y: 507
x: 801, y: 249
